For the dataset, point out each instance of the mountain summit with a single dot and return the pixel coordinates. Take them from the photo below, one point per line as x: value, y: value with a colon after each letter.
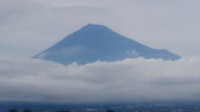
x: 97, y: 42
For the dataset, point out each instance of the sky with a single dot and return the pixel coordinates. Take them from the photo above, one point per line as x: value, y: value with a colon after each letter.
x: 27, y: 27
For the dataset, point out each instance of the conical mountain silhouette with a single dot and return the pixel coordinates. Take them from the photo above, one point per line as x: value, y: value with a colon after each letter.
x: 97, y: 42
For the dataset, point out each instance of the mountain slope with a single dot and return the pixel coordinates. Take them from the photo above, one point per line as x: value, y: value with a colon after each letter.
x: 97, y: 42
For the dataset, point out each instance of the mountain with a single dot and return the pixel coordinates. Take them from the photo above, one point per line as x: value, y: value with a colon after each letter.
x: 97, y: 42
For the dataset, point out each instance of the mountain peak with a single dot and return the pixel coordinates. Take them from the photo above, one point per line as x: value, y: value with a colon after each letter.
x: 97, y: 42
x: 95, y: 27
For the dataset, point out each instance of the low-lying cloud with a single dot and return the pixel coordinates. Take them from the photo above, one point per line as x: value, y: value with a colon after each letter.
x: 128, y: 80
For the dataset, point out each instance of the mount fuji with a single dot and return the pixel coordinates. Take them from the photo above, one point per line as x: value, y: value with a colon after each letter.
x: 97, y: 42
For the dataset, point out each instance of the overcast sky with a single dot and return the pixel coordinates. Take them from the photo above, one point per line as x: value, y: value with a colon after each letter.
x: 27, y: 27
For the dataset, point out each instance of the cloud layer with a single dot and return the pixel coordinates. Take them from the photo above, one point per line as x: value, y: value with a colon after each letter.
x: 128, y: 80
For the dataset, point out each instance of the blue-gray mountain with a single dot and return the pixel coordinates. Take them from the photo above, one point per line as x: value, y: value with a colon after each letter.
x: 97, y: 42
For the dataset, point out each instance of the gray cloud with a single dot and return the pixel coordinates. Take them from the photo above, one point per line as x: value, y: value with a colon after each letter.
x: 127, y: 80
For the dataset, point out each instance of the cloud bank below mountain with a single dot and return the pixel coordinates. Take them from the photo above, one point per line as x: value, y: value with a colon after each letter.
x: 128, y: 80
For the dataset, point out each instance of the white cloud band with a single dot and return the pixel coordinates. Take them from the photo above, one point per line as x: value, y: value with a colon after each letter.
x: 127, y: 80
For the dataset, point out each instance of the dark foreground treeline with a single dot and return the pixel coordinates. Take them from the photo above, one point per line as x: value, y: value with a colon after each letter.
x: 28, y: 110
x: 129, y: 107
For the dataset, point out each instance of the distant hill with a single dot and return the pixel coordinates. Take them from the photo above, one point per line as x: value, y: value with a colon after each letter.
x: 97, y: 42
